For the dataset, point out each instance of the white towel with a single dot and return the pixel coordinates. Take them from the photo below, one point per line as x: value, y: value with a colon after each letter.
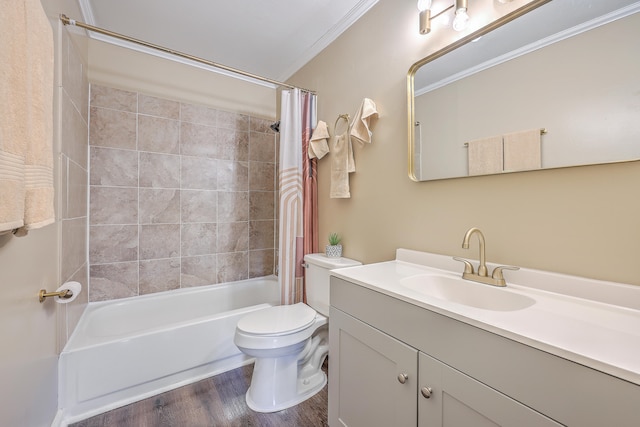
x: 364, y: 121
x: 318, y: 146
x: 522, y: 150
x: 342, y: 164
x: 26, y: 116
x: 485, y: 156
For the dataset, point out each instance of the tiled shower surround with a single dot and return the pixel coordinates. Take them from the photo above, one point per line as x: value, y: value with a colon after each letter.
x: 181, y: 195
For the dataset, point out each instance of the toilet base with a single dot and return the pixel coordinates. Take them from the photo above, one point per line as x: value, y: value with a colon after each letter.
x: 306, y: 388
x: 282, y: 382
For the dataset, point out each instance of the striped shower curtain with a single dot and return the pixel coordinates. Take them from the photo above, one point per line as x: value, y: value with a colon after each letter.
x: 297, y: 184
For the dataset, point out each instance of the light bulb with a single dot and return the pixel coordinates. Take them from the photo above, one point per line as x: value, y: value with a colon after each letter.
x: 461, y: 20
x: 424, y: 5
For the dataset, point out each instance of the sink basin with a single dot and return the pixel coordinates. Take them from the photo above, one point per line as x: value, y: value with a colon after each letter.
x: 465, y: 292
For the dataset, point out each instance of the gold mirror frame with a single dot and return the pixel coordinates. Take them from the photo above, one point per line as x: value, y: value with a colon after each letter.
x: 451, y: 47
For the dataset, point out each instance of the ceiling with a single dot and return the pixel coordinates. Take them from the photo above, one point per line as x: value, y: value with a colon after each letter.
x: 272, y: 38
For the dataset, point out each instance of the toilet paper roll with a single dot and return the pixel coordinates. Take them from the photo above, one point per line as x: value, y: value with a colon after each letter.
x: 74, y: 287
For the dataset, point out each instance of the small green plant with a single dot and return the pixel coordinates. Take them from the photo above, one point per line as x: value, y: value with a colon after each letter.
x: 334, y: 239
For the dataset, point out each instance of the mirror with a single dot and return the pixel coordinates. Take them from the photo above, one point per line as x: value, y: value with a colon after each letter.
x: 568, y: 70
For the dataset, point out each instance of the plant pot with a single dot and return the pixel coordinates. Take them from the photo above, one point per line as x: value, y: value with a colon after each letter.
x: 333, y: 251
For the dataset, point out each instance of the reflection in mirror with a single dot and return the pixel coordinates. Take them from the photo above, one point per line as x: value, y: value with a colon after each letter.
x: 574, y: 73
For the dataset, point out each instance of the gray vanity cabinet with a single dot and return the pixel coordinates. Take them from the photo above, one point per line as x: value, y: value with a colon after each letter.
x: 384, y: 351
x: 368, y: 366
x: 457, y: 400
x: 384, y: 382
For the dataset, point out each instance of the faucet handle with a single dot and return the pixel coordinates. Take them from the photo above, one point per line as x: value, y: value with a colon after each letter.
x: 497, y: 274
x: 468, y: 267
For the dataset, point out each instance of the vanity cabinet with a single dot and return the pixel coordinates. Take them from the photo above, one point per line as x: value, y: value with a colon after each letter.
x: 384, y: 382
x: 384, y: 351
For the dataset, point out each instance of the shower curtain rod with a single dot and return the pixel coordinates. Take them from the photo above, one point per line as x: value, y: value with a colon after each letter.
x: 68, y: 21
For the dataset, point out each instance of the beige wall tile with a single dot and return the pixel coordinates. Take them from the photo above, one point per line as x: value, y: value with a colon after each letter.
x: 159, y: 206
x: 199, y: 206
x: 114, y: 99
x: 73, y: 132
x: 233, y: 266
x: 114, y: 167
x: 262, y: 147
x: 198, y: 140
x: 158, y: 107
x: 261, y: 234
x: 159, y: 170
x: 77, y: 191
x: 198, y: 114
x: 261, y: 205
x: 158, y: 135
x: 112, y: 128
x: 159, y: 275
x: 233, y: 206
x: 112, y: 243
x: 233, y: 145
x: 233, y: 236
x: 234, y: 121
x: 74, y: 246
x: 262, y: 176
x: 199, y: 239
x: 113, y: 205
x: 198, y: 173
x: 159, y: 241
x: 233, y: 175
x: 261, y: 262
x: 112, y: 281
x: 257, y: 124
x: 198, y: 271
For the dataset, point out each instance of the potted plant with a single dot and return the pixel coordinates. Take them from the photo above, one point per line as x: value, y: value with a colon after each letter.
x: 334, y: 248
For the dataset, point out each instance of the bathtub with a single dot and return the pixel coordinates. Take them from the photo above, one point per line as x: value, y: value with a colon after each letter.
x: 129, y: 349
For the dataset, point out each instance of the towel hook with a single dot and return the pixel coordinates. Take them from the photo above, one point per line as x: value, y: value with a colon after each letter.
x: 341, y: 116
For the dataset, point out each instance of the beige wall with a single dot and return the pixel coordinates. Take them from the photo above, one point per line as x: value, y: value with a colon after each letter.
x: 32, y: 334
x: 581, y: 221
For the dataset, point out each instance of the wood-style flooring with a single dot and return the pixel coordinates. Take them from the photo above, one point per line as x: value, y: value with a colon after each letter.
x: 217, y: 401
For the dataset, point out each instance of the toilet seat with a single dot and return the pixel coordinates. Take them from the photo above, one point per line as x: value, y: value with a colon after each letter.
x: 278, y: 320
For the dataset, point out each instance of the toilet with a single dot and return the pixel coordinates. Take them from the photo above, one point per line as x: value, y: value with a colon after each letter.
x: 290, y: 342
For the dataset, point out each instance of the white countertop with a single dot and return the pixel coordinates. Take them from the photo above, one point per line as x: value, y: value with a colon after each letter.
x: 594, y: 323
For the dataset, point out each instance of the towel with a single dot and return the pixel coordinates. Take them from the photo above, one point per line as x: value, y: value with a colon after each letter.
x: 522, y: 150
x: 364, y: 121
x: 485, y: 156
x: 318, y: 146
x: 26, y: 117
x: 342, y: 164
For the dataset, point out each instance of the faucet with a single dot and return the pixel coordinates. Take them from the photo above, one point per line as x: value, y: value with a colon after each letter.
x: 482, y: 276
x: 482, y: 268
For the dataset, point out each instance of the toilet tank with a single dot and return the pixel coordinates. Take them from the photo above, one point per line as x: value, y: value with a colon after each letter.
x: 317, y: 278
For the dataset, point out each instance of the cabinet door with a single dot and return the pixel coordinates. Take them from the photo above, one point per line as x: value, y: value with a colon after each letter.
x: 372, y: 376
x: 457, y: 400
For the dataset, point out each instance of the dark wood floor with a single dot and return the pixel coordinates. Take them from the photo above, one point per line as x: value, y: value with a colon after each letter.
x: 217, y: 401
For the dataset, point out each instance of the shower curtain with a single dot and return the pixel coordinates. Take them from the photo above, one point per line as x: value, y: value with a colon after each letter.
x: 297, y: 184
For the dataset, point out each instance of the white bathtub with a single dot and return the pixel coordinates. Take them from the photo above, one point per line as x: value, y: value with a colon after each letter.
x: 129, y: 349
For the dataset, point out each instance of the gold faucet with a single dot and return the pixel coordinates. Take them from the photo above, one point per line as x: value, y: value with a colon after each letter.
x: 482, y: 276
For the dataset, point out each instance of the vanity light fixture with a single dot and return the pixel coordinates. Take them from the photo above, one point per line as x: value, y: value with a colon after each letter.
x: 459, y: 23
x: 424, y: 6
x: 462, y: 18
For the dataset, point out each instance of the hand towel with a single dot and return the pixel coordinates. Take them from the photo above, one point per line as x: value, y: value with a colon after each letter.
x: 522, y: 150
x: 364, y: 121
x: 342, y: 164
x: 26, y: 116
x: 318, y: 145
x: 485, y: 156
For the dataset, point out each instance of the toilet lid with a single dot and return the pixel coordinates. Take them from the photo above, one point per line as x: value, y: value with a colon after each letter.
x: 278, y: 320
